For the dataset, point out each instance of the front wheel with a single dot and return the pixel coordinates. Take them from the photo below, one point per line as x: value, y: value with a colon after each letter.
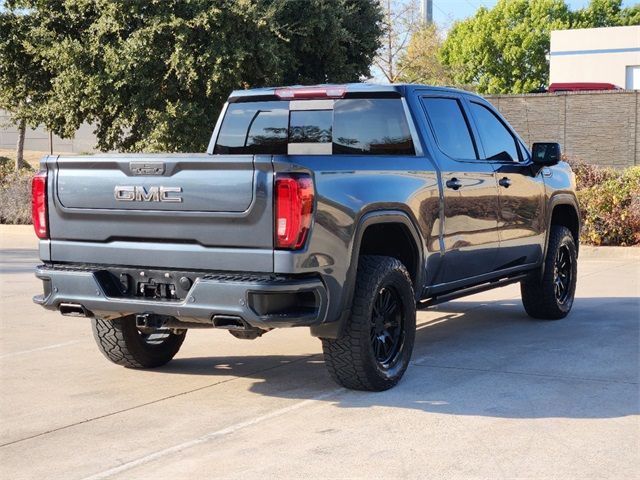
x: 375, y: 347
x: 550, y: 296
x: 124, y: 344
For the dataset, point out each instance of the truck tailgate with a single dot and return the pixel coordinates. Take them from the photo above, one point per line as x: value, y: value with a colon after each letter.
x: 169, y: 211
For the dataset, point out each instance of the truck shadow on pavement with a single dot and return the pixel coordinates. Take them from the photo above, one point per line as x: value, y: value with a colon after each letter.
x: 481, y: 359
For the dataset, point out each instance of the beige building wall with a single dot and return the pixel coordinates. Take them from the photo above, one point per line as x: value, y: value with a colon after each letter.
x: 606, y: 55
x: 84, y: 140
x: 602, y: 128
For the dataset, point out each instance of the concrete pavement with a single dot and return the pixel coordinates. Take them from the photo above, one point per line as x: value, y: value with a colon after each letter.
x: 489, y: 394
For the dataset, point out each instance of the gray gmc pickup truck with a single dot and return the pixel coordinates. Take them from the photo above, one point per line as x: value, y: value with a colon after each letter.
x: 343, y: 208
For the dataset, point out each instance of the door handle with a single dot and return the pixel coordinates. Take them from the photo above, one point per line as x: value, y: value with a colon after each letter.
x: 454, y: 183
x: 504, y: 182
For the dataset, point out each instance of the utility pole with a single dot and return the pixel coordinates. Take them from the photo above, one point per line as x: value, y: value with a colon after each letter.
x: 426, y: 11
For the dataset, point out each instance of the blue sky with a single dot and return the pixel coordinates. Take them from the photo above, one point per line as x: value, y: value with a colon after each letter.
x: 445, y: 12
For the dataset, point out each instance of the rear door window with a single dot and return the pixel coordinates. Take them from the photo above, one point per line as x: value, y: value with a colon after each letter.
x: 450, y: 127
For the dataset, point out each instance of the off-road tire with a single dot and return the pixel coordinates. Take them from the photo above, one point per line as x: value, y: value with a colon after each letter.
x: 351, y: 359
x: 538, y: 292
x: 121, y: 342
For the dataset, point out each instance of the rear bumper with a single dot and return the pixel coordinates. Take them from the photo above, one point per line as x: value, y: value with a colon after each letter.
x: 261, y: 301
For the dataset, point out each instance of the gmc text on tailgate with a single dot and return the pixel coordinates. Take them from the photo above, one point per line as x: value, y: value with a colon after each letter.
x: 343, y: 208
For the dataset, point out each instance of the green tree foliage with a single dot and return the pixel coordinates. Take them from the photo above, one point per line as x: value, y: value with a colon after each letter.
x: 25, y: 83
x: 421, y: 62
x: 326, y: 40
x: 606, y: 13
x: 504, y: 49
x: 153, y: 74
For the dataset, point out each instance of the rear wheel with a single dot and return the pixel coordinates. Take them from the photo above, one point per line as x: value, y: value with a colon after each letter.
x: 550, y: 296
x: 374, y: 350
x: 124, y: 344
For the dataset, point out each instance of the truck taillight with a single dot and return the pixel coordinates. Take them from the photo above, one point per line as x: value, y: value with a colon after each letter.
x: 39, y: 204
x: 294, y: 208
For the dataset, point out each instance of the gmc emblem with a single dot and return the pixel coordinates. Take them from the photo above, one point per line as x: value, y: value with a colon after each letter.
x: 138, y: 193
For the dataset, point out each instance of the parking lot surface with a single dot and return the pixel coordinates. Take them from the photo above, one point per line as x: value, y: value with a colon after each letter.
x: 489, y: 394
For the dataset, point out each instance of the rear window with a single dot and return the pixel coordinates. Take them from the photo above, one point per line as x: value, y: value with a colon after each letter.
x: 310, y: 126
x: 352, y: 126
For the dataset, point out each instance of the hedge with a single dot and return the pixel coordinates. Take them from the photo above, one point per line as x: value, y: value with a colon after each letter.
x: 15, y: 193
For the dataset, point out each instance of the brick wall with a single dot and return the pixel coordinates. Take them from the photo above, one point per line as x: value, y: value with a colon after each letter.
x: 596, y: 127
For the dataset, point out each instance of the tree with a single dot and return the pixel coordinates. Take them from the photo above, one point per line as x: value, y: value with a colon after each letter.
x: 327, y: 40
x: 153, y: 74
x: 606, y: 13
x: 503, y: 50
x: 421, y: 62
x: 400, y: 22
x: 24, y: 81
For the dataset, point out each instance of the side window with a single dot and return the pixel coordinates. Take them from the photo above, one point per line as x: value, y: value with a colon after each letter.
x: 498, y: 142
x: 374, y: 126
x: 255, y: 127
x: 450, y: 127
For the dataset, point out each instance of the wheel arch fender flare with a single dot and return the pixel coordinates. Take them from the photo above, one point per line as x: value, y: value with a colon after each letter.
x: 556, y: 200
x: 375, y: 217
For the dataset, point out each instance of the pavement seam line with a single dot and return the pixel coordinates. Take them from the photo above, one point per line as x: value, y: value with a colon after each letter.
x: 40, y: 349
x: 507, y: 372
x: 152, y: 402
x: 210, y: 436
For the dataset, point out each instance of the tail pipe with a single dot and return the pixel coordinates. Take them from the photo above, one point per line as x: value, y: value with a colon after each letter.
x: 74, y: 310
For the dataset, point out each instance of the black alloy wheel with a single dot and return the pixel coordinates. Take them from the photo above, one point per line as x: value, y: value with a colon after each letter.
x: 548, y: 293
x: 562, y: 274
x: 387, y: 327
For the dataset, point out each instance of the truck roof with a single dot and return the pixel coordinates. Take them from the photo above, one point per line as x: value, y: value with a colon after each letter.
x: 348, y: 88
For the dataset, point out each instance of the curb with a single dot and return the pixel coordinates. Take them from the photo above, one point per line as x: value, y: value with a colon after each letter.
x: 606, y: 253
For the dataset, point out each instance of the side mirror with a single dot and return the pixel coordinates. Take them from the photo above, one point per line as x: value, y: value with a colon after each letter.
x: 546, y: 153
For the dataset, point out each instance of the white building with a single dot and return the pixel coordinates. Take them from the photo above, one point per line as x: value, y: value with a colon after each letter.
x: 606, y: 55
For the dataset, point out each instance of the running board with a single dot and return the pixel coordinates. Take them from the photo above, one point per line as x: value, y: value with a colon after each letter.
x: 446, y: 297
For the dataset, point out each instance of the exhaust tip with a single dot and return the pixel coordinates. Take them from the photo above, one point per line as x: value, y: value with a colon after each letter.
x: 229, y: 322
x: 74, y: 310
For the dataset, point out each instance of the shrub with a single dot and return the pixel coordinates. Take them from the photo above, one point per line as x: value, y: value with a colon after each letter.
x: 588, y: 175
x: 610, y: 206
x: 15, y: 193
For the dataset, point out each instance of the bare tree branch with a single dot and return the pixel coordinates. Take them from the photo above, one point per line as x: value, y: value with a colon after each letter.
x: 401, y: 20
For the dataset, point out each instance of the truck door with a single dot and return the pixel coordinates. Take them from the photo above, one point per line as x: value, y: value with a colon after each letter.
x: 521, y: 220
x: 470, y: 231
